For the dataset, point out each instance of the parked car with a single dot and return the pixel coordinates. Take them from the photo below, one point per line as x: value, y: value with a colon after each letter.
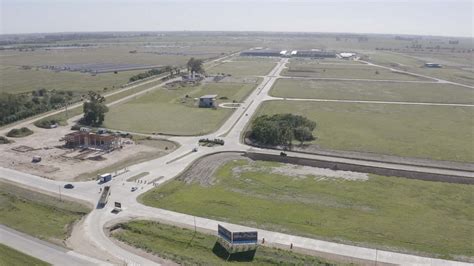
x: 134, y: 188
x: 69, y: 186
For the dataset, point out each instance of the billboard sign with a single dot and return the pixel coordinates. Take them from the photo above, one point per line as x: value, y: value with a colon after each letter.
x: 250, y: 237
x: 224, y: 233
x: 244, y: 237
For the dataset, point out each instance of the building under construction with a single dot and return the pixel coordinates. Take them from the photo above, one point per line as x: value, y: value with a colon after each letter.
x: 91, y: 140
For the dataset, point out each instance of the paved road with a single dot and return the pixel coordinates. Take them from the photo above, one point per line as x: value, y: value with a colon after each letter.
x: 169, y: 166
x: 42, y: 250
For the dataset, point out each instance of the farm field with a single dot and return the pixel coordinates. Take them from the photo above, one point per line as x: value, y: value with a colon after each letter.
x: 151, y: 113
x: 38, y: 215
x: 10, y: 256
x: 352, y: 71
x: 241, y: 68
x: 15, y: 80
x: 186, y: 247
x: 372, y: 91
x: 389, y: 213
x: 431, y: 132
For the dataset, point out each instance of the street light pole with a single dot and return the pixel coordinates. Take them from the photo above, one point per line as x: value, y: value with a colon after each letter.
x: 59, y: 186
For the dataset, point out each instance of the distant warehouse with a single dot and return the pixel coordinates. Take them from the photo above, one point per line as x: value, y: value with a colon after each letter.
x: 262, y: 52
x: 313, y: 54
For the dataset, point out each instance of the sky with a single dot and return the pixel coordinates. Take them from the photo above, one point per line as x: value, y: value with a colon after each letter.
x: 416, y: 17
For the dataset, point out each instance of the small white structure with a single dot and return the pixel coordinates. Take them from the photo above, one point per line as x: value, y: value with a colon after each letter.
x: 208, y: 101
x: 347, y: 55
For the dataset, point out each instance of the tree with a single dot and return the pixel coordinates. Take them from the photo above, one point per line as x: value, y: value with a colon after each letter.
x: 195, y: 65
x: 168, y: 69
x: 94, y: 109
x: 282, y: 129
x: 303, y: 134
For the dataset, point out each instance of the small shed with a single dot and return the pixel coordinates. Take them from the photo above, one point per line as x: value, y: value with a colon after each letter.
x: 433, y: 65
x: 208, y: 101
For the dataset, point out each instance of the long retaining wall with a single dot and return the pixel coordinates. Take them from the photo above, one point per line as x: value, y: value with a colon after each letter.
x: 360, y: 168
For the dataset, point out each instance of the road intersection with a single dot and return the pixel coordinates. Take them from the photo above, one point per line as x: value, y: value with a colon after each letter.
x: 171, y: 165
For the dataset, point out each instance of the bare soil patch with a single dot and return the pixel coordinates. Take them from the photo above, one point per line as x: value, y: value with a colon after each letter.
x: 59, y: 163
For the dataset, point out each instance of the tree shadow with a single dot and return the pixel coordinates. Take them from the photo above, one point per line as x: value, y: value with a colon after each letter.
x: 244, y: 256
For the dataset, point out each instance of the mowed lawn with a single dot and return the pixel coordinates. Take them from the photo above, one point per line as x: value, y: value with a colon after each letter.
x: 186, y: 247
x: 372, y: 91
x: 389, y: 213
x: 10, y: 256
x: 433, y: 132
x: 352, y: 71
x: 242, y: 68
x: 168, y: 111
x: 38, y: 215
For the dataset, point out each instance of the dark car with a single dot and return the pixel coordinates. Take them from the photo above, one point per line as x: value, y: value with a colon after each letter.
x: 283, y: 154
x: 69, y: 186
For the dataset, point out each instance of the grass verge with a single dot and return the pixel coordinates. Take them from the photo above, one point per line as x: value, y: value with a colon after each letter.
x: 372, y: 91
x: 186, y: 247
x: 10, y: 256
x: 136, y: 177
x: 38, y: 215
x: 390, y: 213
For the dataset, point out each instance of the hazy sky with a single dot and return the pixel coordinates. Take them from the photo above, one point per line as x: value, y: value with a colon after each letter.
x: 426, y: 17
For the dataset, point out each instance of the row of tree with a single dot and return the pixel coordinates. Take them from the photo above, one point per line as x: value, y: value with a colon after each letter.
x: 282, y: 129
x: 14, y: 107
x: 149, y: 73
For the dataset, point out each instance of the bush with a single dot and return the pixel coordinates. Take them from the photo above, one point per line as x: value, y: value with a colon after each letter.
x: 4, y: 140
x: 19, y: 132
x: 212, y: 141
x: 46, y: 123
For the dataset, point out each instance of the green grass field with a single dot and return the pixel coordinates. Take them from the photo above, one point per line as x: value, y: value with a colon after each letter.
x: 433, y: 132
x: 185, y: 247
x: 390, y: 213
x: 38, y: 215
x: 372, y: 91
x: 10, y: 256
x: 241, y: 68
x: 452, y: 70
x: 355, y: 71
x: 168, y: 111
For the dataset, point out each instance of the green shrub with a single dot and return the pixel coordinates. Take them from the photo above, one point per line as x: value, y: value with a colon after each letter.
x: 4, y: 140
x: 47, y: 123
x: 19, y: 132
